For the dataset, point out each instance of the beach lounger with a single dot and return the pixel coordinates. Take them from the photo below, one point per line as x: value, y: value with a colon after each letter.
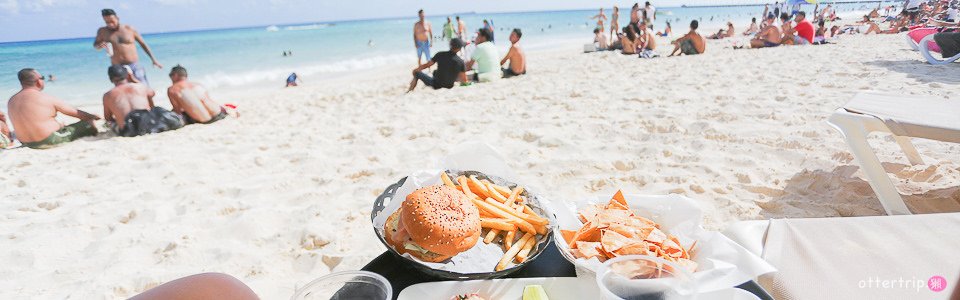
x: 902, y: 116
x: 925, y: 51
x: 852, y: 257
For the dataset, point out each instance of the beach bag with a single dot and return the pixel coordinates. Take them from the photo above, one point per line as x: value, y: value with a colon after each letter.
x: 649, y: 54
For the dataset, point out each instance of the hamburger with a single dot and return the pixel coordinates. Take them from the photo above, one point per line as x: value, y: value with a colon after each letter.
x: 433, y: 224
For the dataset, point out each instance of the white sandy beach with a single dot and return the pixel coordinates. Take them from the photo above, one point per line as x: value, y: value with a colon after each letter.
x: 282, y: 195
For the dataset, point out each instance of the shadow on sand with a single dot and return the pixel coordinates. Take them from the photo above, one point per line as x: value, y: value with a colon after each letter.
x: 838, y: 193
x: 921, y: 71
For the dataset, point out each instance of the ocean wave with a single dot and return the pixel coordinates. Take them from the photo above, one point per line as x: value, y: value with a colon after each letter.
x: 227, y: 79
x: 307, y: 27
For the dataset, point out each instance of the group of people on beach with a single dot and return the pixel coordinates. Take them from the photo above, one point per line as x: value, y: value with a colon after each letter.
x: 484, y: 62
x: 638, y: 36
x: 781, y: 25
x: 128, y: 107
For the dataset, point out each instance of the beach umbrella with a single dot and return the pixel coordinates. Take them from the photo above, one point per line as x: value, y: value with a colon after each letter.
x: 795, y: 2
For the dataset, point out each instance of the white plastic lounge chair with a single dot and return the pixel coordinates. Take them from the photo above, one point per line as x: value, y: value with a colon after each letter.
x: 904, y: 117
x: 852, y: 257
x: 929, y: 56
x: 911, y: 42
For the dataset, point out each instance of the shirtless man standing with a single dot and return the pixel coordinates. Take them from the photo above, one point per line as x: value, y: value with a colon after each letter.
x: 516, y: 56
x: 34, y: 113
x: 769, y: 36
x: 461, y: 28
x: 129, y: 109
x: 121, y: 38
x: 191, y: 100
x: 422, y: 38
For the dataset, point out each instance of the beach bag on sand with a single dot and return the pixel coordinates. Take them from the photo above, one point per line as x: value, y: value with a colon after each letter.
x: 649, y: 54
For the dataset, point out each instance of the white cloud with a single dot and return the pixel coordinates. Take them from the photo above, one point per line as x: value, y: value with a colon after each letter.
x: 10, y: 6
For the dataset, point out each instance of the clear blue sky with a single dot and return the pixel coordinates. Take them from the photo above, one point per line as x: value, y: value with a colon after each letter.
x: 24, y: 20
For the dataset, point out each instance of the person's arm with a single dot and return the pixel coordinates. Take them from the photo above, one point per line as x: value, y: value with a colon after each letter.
x: 150, y: 94
x: 174, y: 101
x: 426, y: 65
x: 107, y: 114
x: 508, y: 56
x: 66, y: 109
x: 99, y: 42
x: 462, y: 77
x: 146, y: 48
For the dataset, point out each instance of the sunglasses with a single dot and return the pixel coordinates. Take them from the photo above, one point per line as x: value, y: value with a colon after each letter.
x: 43, y: 77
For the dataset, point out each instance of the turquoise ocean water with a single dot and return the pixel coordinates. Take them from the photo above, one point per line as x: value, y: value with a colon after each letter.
x: 230, y: 58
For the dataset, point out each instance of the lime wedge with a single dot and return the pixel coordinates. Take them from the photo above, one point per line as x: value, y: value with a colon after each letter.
x: 534, y: 292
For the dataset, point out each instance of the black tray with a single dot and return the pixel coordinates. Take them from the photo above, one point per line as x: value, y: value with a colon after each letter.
x: 550, y: 264
x: 542, y: 244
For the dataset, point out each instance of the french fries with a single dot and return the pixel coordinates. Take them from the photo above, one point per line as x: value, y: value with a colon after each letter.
x: 523, y: 225
x: 446, y: 180
x: 512, y: 253
x: 501, y: 224
x: 522, y: 255
x: 508, y: 238
x: 513, y: 195
x: 492, y: 234
x: 505, y: 216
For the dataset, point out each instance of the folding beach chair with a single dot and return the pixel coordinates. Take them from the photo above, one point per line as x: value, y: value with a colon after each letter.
x: 925, y: 51
x: 887, y: 257
x: 902, y: 116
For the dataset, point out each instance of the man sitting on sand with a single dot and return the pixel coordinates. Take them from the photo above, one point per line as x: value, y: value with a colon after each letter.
x: 600, y: 39
x: 191, y: 100
x: 450, y: 69
x: 803, y: 31
x: 723, y: 33
x: 691, y: 43
x: 34, y: 115
x: 786, y: 28
x: 484, y: 58
x: 129, y: 109
x: 516, y: 56
x: 768, y: 37
x: 753, y: 29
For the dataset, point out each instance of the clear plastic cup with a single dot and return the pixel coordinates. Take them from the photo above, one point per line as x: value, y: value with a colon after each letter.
x: 346, y: 285
x: 635, y: 277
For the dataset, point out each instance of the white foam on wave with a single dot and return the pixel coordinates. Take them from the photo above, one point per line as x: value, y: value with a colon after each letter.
x: 306, y: 27
x: 278, y: 74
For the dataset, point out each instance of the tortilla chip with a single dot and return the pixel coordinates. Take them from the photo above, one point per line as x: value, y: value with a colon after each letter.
x: 589, y: 249
x: 567, y: 235
x: 640, y: 248
x: 646, y: 222
x: 656, y: 236
x: 629, y: 231
x: 616, y: 205
x: 613, y: 241
x: 589, y: 213
x: 587, y: 233
x: 618, y: 197
x: 610, y: 216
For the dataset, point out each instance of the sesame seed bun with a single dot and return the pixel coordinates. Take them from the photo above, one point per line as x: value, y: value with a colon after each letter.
x: 441, y: 219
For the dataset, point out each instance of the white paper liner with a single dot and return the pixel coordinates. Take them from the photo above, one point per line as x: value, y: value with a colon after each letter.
x: 722, y: 262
